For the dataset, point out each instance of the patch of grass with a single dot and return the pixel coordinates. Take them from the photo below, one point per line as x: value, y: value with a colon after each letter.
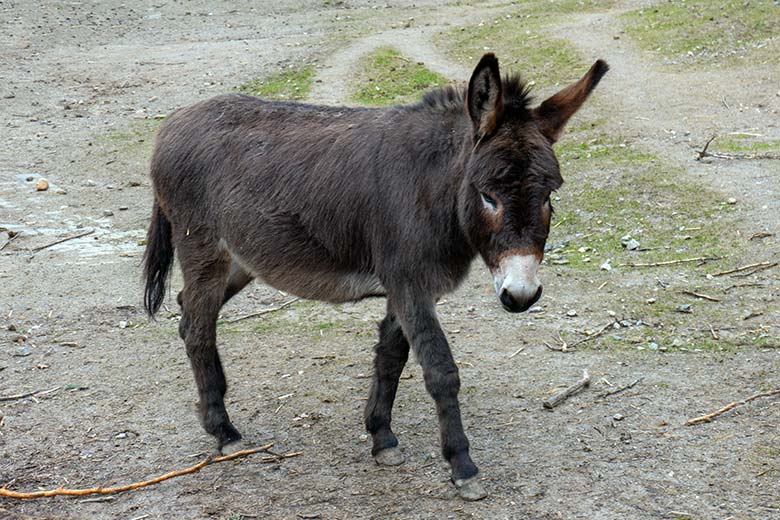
x: 387, y: 77
x: 707, y: 31
x: 139, y: 135
x: 521, y: 44
x: 746, y: 143
x: 291, y: 84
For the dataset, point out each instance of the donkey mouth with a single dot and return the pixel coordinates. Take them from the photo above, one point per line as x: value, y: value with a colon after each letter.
x: 513, y: 303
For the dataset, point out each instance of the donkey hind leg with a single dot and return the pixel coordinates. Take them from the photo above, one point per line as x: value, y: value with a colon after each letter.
x: 392, y: 351
x: 205, y: 279
x: 237, y: 280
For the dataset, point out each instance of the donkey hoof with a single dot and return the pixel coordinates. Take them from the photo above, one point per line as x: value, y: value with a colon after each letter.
x: 233, y: 447
x: 470, y: 488
x: 390, y: 457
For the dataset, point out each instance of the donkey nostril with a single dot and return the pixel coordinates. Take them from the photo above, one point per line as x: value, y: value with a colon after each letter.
x: 507, y: 300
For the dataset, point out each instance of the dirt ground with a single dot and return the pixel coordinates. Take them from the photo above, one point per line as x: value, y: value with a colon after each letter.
x: 82, y: 84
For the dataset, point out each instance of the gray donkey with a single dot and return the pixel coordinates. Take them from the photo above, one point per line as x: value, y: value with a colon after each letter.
x: 339, y: 204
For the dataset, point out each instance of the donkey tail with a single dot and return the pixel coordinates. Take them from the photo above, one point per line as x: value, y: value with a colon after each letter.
x: 158, y: 259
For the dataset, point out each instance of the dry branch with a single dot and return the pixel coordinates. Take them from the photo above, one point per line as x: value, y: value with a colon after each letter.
x: 754, y: 271
x: 28, y: 394
x: 557, y: 399
x: 264, y: 311
x: 765, y: 265
x: 670, y: 262
x: 711, y: 416
x: 60, y: 241
x: 700, y: 295
x: 726, y: 155
x: 99, y: 490
x: 594, y: 335
x: 623, y: 388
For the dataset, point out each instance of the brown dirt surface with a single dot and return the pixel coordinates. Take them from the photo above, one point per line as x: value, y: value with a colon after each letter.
x: 84, y: 86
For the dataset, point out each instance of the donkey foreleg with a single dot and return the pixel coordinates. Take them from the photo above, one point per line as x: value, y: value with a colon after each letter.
x: 392, y: 351
x: 442, y: 381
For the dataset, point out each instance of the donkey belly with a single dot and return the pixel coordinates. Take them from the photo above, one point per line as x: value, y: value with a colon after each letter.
x: 323, y: 282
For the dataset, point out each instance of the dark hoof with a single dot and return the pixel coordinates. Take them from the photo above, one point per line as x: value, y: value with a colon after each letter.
x: 470, y: 489
x: 390, y: 457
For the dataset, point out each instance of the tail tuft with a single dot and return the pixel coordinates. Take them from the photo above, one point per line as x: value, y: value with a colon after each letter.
x: 158, y: 259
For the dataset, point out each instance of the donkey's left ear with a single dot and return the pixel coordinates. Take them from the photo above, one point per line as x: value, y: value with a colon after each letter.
x: 552, y: 114
x: 485, y: 98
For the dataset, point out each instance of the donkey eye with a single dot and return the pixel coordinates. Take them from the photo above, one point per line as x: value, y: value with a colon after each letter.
x: 489, y: 201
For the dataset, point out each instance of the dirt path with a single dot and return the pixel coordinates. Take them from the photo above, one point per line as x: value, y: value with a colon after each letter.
x: 79, y: 84
x: 674, y: 113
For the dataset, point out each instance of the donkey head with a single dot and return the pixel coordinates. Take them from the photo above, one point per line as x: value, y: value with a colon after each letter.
x: 504, y: 199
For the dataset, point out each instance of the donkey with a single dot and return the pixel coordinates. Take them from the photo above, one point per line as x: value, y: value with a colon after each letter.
x: 339, y: 204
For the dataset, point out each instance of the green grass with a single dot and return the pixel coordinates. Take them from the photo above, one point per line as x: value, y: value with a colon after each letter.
x: 745, y: 143
x: 291, y: 84
x: 708, y: 31
x: 386, y: 77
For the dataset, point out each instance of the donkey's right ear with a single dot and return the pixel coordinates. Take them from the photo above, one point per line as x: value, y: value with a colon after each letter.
x: 485, y: 98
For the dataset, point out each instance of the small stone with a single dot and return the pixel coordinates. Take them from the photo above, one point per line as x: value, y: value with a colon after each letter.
x: 12, y: 328
x: 650, y: 301
x: 89, y: 183
x: 632, y: 245
x: 122, y: 435
x: 60, y: 191
x: 677, y: 343
x: 685, y: 308
x: 22, y: 351
x: 606, y: 266
x: 123, y: 208
x: 617, y: 417
x: 731, y: 200
x: 108, y: 213
x: 611, y: 314
x: 536, y: 308
x: 652, y: 345
x: 663, y: 348
x: 41, y: 184
x: 133, y: 184
x: 122, y: 324
x: 571, y: 313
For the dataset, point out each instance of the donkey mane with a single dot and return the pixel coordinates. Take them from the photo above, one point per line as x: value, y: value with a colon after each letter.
x: 517, y: 97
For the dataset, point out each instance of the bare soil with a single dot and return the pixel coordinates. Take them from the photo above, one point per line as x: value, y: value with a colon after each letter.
x: 82, y: 82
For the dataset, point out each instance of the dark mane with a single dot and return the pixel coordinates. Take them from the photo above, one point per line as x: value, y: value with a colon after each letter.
x: 517, y: 96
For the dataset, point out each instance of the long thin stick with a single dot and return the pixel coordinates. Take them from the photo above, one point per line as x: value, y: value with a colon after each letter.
x: 623, y: 388
x: 670, y: 262
x: 743, y: 268
x: 700, y: 295
x: 28, y: 394
x: 754, y: 271
x: 10, y: 239
x: 711, y: 416
x: 264, y: 311
x: 557, y: 399
x: 595, y: 335
x: 4, y: 491
x: 60, y: 241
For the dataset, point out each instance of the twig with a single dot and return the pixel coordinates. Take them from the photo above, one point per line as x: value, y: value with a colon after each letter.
x: 711, y: 416
x: 714, y: 334
x: 623, y: 388
x: 29, y: 394
x: 60, y: 241
x: 11, y: 238
x: 516, y: 352
x: 670, y: 262
x: 754, y: 271
x: 744, y: 268
x: 703, y: 153
x: 761, y: 234
x: 730, y: 287
x: 595, y: 335
x: 264, y: 311
x: 4, y: 491
x: 700, y: 295
x: 557, y: 399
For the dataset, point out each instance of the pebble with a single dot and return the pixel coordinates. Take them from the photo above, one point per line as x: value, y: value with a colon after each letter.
x: 606, y: 266
x: 650, y: 300
x: 12, y: 328
x: 611, y: 314
x: 571, y: 313
x: 108, y: 213
x: 632, y: 245
x: 652, y: 345
x: 89, y: 183
x: 731, y: 200
x: 41, y: 184
x: 22, y: 351
x: 536, y: 308
x: 618, y: 417
x: 122, y: 324
x: 123, y: 208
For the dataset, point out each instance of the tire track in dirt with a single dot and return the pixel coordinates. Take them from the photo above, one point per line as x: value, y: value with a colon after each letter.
x: 675, y: 113
x: 414, y: 42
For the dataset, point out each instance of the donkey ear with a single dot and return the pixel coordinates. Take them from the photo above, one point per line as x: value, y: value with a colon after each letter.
x: 485, y: 98
x: 552, y: 114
